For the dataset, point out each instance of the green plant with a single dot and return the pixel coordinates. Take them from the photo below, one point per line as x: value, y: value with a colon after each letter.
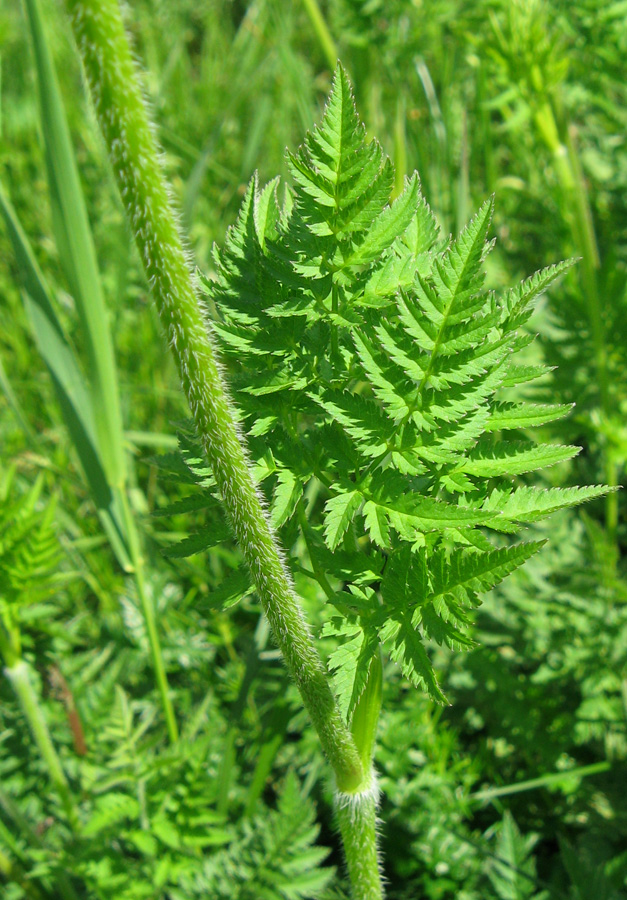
x: 375, y: 361
x: 90, y: 406
x: 110, y: 69
x: 29, y: 556
x: 378, y: 393
x: 531, y: 51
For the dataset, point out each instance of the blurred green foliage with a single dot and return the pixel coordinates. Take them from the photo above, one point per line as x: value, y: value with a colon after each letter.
x: 517, y: 789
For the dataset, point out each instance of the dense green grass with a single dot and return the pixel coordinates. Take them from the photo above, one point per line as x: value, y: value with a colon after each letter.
x: 515, y: 790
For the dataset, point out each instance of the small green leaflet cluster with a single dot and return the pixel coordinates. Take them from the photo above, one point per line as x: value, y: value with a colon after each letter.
x: 370, y: 367
x: 274, y: 855
x: 154, y: 828
x: 512, y: 869
x: 29, y: 549
x: 29, y: 558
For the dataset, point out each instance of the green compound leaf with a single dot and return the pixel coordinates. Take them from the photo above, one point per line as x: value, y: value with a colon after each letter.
x: 111, y: 811
x: 530, y: 504
x: 516, y: 374
x: 340, y: 512
x: 362, y: 419
x: 515, y: 458
x: 427, y: 514
x: 375, y: 370
x: 378, y: 523
x: 288, y: 492
x: 233, y: 589
x: 376, y: 367
x: 463, y: 571
x: 458, y: 276
x: 350, y: 663
x: 199, y: 542
x: 507, y: 416
x: 275, y: 854
x: 388, y: 225
x: 517, y: 302
x: 407, y: 649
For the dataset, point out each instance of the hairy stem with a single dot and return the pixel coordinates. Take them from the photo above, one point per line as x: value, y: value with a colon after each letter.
x: 124, y: 122
x: 19, y: 676
x: 356, y: 815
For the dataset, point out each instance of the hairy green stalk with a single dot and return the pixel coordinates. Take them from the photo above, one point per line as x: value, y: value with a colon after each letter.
x: 357, y: 813
x: 122, y: 115
x: 357, y: 819
x: 19, y: 676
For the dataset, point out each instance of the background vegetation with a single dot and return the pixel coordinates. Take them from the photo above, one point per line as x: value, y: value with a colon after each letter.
x: 517, y: 789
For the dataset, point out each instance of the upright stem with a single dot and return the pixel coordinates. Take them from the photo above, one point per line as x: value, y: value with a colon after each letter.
x: 325, y: 39
x: 357, y: 815
x: 150, y: 620
x: 18, y: 675
x: 120, y: 108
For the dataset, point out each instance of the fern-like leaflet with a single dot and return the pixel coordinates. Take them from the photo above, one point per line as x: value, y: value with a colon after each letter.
x: 29, y: 559
x: 371, y: 364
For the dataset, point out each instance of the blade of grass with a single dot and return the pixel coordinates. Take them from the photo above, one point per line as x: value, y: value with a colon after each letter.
x: 151, y: 439
x: 67, y: 378
x: 13, y: 402
x: 438, y: 125
x: 78, y: 256
x: 542, y: 781
x: 74, y: 241
x: 400, y: 145
x: 321, y: 30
